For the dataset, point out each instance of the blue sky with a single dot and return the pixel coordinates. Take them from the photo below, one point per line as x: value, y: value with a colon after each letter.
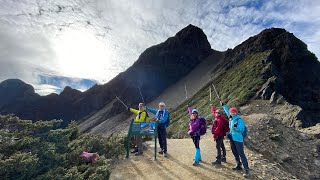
x: 83, y: 42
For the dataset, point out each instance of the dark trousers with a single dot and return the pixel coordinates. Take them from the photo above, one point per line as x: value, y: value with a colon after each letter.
x: 138, y: 139
x: 196, y: 141
x: 162, y: 136
x: 238, y: 152
x: 220, y: 147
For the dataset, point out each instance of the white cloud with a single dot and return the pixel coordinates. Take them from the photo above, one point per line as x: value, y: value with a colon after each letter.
x: 97, y: 39
x: 45, y: 89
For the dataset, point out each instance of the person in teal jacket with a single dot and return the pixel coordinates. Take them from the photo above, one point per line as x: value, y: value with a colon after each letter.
x: 162, y: 115
x: 237, y: 127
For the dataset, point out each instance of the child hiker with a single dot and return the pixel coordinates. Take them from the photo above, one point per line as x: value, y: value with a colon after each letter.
x: 197, y: 128
x: 237, y: 128
x: 220, y: 126
x: 162, y: 116
x: 142, y: 116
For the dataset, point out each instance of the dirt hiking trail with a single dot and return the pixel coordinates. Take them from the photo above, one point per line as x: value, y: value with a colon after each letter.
x: 178, y: 163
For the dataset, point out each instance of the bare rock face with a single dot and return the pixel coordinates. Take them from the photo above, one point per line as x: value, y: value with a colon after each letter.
x: 267, y: 89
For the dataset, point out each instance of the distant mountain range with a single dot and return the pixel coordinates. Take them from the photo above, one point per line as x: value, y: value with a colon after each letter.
x: 161, y: 71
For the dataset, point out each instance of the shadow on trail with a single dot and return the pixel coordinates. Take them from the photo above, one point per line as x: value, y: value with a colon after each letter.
x: 202, y: 176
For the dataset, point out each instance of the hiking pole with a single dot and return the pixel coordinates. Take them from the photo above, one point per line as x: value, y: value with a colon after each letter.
x: 122, y: 102
x: 210, y: 94
x: 185, y: 89
x: 141, y: 96
x: 216, y: 92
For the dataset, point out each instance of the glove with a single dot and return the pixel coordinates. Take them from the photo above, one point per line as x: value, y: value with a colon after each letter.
x: 235, y: 125
x: 221, y: 103
x: 188, y: 105
x: 128, y: 109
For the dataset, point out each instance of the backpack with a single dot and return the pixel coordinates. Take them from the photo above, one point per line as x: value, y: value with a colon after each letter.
x: 167, y: 123
x: 245, y: 132
x: 146, y: 119
x: 225, y: 126
x: 203, y: 126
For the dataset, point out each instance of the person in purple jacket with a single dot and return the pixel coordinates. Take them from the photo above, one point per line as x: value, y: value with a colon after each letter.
x: 194, y: 132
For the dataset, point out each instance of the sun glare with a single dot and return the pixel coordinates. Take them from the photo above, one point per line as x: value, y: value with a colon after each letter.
x: 80, y: 54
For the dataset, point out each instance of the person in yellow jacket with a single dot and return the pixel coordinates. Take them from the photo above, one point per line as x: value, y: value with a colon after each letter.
x: 141, y: 116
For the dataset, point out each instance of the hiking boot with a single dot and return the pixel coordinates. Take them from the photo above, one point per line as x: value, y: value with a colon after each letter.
x: 195, y: 163
x: 164, y: 154
x: 237, y: 167
x: 224, y: 159
x: 138, y: 153
x: 134, y: 151
x: 246, y: 174
x: 216, y: 163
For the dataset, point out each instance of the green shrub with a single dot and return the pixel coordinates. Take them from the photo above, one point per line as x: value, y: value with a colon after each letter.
x: 41, y: 151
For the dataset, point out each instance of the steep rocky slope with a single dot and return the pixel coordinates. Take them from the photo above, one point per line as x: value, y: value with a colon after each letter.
x: 266, y: 66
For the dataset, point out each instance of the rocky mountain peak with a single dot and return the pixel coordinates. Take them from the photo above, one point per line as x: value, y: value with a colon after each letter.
x: 193, y: 37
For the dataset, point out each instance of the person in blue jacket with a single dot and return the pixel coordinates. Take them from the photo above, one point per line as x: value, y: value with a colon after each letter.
x: 237, y: 127
x: 162, y: 115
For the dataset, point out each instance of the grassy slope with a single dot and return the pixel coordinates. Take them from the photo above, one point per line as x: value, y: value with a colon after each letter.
x: 236, y: 86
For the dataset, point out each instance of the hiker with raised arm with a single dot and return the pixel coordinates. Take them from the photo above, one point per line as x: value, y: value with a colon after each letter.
x: 220, y: 126
x: 236, y: 135
x: 163, y: 120
x: 141, y: 116
x: 197, y: 128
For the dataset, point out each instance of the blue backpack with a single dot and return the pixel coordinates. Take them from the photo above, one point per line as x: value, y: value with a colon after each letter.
x: 245, y: 132
x: 167, y: 123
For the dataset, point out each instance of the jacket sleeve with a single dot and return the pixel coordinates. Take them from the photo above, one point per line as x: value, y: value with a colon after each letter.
x: 213, y: 127
x: 165, y: 117
x: 134, y: 111
x: 226, y: 109
x: 151, y: 110
x: 213, y: 110
x: 240, y: 126
x: 190, y: 110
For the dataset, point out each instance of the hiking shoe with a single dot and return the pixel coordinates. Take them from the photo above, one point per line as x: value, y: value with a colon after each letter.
x: 138, y: 153
x: 164, y: 154
x: 195, y: 163
x: 160, y: 152
x: 134, y: 151
x: 216, y: 163
x: 246, y: 174
x: 237, y: 167
x: 224, y: 159
x: 200, y: 160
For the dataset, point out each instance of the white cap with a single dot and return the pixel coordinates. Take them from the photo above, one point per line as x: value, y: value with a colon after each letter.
x: 162, y: 104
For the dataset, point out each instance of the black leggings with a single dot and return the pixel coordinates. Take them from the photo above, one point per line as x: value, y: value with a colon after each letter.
x: 196, y: 141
